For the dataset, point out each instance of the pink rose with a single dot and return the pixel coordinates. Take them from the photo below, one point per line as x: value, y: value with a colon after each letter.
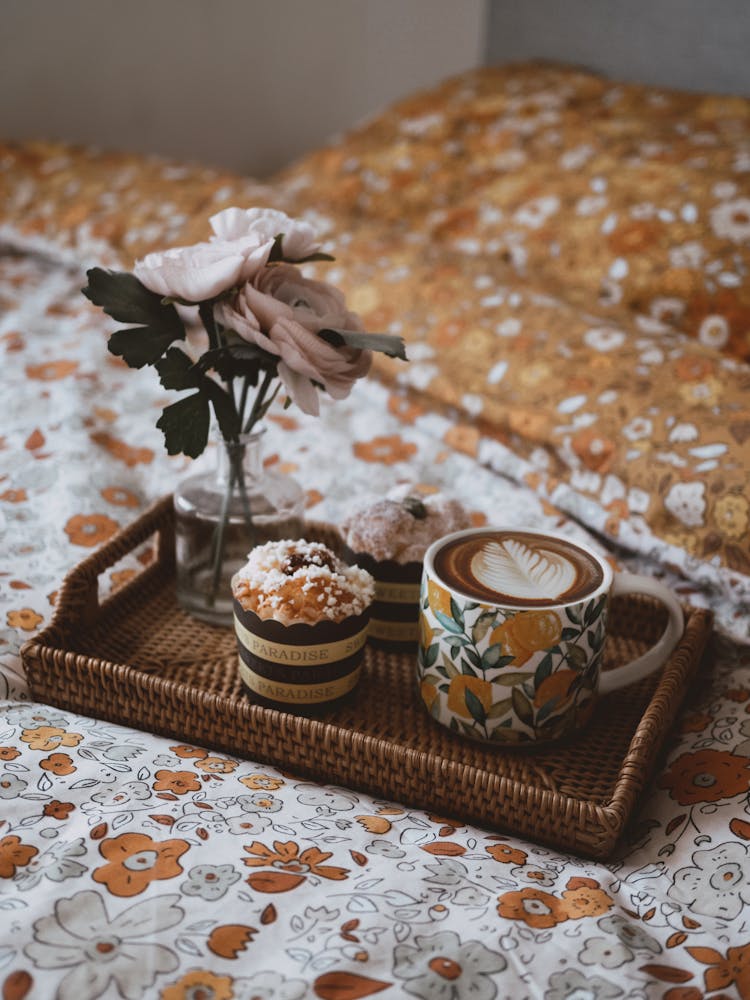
x: 283, y: 312
x: 204, y: 270
x: 264, y: 225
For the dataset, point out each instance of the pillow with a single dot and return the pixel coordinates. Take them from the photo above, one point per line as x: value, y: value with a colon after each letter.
x: 618, y: 197
x: 94, y: 207
x: 645, y: 437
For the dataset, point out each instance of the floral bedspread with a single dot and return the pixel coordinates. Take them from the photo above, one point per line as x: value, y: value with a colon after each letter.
x: 132, y: 865
x: 135, y: 866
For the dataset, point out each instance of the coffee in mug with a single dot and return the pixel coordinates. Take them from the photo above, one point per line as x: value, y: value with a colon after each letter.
x: 512, y: 632
x: 518, y: 568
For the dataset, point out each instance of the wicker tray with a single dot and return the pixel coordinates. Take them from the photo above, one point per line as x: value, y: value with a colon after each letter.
x: 137, y: 659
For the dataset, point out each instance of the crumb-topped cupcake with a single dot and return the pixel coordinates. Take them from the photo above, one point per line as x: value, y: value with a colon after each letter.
x: 301, y: 617
x: 389, y: 538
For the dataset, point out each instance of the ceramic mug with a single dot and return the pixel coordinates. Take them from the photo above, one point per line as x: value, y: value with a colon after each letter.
x: 512, y: 628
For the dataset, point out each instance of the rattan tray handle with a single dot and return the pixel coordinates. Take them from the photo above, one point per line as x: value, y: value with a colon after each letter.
x: 78, y: 603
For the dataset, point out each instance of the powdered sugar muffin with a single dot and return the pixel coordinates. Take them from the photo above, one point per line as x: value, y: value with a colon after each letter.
x: 301, y: 617
x: 389, y: 538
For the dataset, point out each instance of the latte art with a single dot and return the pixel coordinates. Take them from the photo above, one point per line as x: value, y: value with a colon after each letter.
x: 520, y: 569
x: 511, y: 567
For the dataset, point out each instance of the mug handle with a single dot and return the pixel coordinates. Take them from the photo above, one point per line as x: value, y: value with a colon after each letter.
x: 636, y: 670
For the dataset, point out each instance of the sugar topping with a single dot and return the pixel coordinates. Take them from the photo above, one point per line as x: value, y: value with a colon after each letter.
x: 301, y: 582
x: 403, y: 524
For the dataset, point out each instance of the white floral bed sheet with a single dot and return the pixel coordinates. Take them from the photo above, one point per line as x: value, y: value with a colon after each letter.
x: 134, y: 866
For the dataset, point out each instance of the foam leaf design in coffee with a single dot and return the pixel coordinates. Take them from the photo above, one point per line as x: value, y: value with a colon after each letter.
x: 511, y: 567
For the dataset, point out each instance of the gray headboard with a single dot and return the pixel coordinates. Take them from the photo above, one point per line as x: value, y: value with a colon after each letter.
x: 688, y: 44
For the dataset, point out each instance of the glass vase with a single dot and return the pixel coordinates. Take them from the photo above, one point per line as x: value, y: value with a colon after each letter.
x: 221, y: 515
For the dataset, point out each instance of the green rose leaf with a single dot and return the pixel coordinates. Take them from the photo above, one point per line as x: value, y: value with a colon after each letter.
x: 185, y: 425
x: 176, y: 371
x: 522, y: 707
x: 382, y: 343
x: 126, y: 300
x: 140, y: 346
x: 238, y: 361
x: 475, y: 706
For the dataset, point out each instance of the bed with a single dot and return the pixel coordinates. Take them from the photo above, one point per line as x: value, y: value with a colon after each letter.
x: 567, y: 258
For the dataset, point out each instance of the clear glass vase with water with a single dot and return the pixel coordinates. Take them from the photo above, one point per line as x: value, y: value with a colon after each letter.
x: 221, y: 515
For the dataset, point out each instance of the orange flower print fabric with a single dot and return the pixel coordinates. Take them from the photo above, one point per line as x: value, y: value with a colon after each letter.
x: 134, y: 861
x: 562, y: 260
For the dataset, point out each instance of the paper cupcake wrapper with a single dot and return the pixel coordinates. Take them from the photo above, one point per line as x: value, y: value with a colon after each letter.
x: 299, y: 664
x: 395, y: 611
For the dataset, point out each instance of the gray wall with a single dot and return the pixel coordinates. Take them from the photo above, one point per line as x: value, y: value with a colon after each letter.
x: 246, y: 84
x: 689, y: 44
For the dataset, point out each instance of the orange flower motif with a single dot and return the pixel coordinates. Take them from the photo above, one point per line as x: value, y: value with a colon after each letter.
x: 49, y: 738
x: 533, y: 907
x: 135, y: 860
x: 596, y: 451
x: 262, y: 782
x: 634, y: 236
x: 124, y: 452
x: 387, y: 449
x: 507, y: 855
x: 706, y: 776
x: 26, y: 619
x: 120, y: 577
x: 199, y: 983
x: 9, y: 753
x: 58, y: 810
x: 90, y: 529
x: 216, y: 765
x: 58, y: 763
x: 14, y: 496
x: 693, y: 367
x: 51, y: 371
x: 14, y: 854
x: 724, y: 972
x: 178, y: 782
x: 290, y: 868
x: 585, y: 901
x: 119, y: 496
x: 695, y: 722
x: 187, y: 751
x: 404, y: 408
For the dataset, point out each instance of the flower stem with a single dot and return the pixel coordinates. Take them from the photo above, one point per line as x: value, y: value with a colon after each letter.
x: 218, y: 555
x: 258, y: 403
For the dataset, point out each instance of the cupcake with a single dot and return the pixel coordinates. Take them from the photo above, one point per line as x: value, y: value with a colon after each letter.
x: 389, y: 538
x: 301, y: 617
